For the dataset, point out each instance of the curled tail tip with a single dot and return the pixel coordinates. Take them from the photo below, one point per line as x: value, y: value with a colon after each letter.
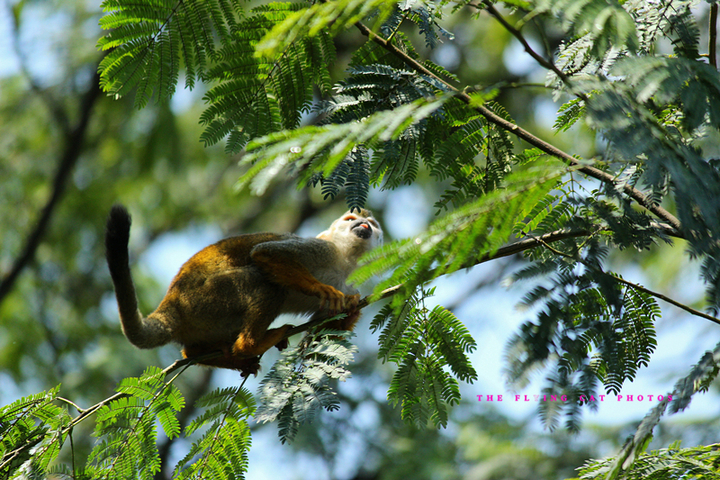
x: 117, y: 236
x: 117, y: 232
x: 119, y: 209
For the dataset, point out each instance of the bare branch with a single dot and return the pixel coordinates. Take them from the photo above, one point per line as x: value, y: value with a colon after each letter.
x: 73, y: 148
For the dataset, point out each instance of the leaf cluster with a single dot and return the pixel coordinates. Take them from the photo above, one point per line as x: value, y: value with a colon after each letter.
x: 32, y: 430
x: 150, y: 41
x: 654, y: 110
x: 255, y: 95
x: 671, y: 462
x: 592, y: 329
x: 463, y: 237
x: 126, y: 427
x: 632, y: 463
x: 222, y: 449
x: 370, y: 131
x: 298, y: 385
x: 424, y: 343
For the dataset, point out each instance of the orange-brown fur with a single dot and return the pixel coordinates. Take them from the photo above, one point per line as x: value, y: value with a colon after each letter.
x: 226, y: 296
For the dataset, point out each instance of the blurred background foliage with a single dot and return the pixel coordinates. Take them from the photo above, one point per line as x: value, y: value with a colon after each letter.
x: 68, y: 152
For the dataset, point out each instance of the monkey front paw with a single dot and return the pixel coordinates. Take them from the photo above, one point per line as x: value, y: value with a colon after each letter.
x: 331, y: 298
x: 350, y: 302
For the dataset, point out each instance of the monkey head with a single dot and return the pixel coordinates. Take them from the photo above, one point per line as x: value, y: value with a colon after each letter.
x: 354, y: 233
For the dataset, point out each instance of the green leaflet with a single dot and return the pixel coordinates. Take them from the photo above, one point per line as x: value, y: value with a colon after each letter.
x: 32, y: 430
x: 221, y: 451
x: 332, y: 17
x: 422, y: 342
x: 150, y: 41
x: 455, y: 240
x: 297, y: 386
x: 126, y: 427
x: 325, y: 147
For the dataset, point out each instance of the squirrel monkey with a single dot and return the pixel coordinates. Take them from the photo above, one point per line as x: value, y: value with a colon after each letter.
x: 227, y: 295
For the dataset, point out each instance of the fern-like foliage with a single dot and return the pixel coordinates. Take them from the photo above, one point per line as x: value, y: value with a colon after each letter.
x: 653, y: 109
x: 297, y: 386
x: 603, y: 23
x: 684, y: 82
x: 126, y: 427
x: 467, y: 234
x: 324, y: 148
x: 422, y: 342
x: 331, y: 17
x: 671, y: 462
x: 636, y: 135
x: 216, y: 42
x: 354, y: 174
x: 426, y: 16
x: 592, y: 343
x: 32, y: 430
x: 257, y: 95
x: 378, y: 82
x: 151, y: 40
x: 698, y: 380
x: 592, y: 328
x: 221, y: 451
x: 671, y: 19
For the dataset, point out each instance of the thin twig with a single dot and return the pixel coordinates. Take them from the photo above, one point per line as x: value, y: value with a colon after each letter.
x: 72, y: 453
x: 712, y: 41
x: 633, y: 285
x: 545, y: 63
x: 70, y: 403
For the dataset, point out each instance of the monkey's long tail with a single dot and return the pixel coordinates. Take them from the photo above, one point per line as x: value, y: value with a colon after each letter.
x: 143, y: 333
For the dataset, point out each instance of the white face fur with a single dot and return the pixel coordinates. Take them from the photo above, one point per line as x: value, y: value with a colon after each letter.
x: 354, y: 233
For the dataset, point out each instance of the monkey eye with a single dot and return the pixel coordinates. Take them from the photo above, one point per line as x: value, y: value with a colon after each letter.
x: 373, y: 222
x: 348, y: 218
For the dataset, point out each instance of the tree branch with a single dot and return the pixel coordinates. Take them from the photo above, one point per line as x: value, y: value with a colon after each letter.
x: 505, y: 251
x: 545, y: 63
x: 516, y: 130
x: 511, y: 249
x: 74, y: 141
x: 712, y: 41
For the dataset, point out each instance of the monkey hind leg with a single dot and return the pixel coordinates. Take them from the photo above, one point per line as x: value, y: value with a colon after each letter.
x: 257, y: 343
x: 246, y: 365
x: 352, y: 317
